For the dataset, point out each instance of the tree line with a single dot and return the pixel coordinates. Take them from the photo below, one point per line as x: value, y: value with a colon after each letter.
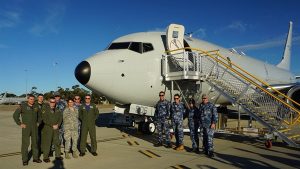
x: 66, y: 93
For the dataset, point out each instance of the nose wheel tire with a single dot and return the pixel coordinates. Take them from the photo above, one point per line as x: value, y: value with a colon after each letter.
x: 147, y: 127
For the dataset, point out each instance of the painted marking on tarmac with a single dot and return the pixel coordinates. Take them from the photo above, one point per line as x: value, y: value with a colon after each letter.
x: 131, y: 143
x: 153, y: 153
x: 110, y: 139
x: 149, y: 153
x: 180, y: 167
x: 9, y: 154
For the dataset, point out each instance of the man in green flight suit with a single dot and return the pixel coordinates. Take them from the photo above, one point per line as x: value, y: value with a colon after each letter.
x: 39, y: 105
x: 52, y: 118
x: 28, y: 123
x: 88, y: 113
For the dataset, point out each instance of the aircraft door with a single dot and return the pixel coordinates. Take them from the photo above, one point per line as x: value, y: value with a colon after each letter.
x: 175, y: 40
x: 175, y: 34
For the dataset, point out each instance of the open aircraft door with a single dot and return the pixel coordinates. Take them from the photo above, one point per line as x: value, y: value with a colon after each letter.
x: 175, y: 40
x: 175, y: 34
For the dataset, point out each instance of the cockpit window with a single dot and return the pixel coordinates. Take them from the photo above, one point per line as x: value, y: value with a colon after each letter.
x: 135, y: 46
x: 119, y: 45
x: 147, y: 47
x: 138, y: 47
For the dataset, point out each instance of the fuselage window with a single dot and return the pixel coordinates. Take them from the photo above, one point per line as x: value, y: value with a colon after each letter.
x: 119, y: 45
x: 147, y: 47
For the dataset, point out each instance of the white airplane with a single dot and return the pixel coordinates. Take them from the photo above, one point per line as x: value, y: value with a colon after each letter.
x: 11, y: 100
x: 131, y: 70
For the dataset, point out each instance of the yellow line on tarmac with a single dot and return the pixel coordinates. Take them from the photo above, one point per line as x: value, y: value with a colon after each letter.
x: 130, y: 143
x: 9, y: 154
x: 180, y: 167
x: 149, y: 153
x: 153, y: 153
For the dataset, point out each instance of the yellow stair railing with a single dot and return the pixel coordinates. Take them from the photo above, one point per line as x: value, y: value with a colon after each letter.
x: 216, y: 56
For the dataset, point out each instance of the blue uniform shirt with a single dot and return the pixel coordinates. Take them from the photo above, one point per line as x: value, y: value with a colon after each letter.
x: 208, y: 114
x: 162, y: 109
x: 177, y: 111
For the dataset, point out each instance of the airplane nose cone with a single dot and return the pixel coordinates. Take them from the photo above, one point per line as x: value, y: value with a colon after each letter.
x: 83, y: 72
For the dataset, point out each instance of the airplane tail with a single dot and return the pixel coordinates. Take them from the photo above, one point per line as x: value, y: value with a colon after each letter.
x: 286, y: 58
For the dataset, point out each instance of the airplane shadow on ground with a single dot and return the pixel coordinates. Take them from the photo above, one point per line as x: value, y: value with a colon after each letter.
x: 104, y: 121
x: 257, y: 142
x: 289, y: 162
x: 239, y: 162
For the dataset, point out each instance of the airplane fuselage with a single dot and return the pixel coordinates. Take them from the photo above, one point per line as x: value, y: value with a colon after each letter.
x: 128, y: 76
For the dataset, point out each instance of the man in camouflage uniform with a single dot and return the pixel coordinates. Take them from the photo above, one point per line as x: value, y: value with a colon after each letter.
x: 52, y: 118
x: 88, y: 114
x: 61, y: 105
x: 70, y: 120
x: 162, y: 114
x: 177, y: 111
x: 193, y: 122
x: 28, y: 123
x: 209, y: 117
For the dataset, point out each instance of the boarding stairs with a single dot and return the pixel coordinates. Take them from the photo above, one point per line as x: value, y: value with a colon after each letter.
x: 264, y: 103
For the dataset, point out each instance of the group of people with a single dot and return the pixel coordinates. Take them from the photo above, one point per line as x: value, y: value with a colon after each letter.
x: 170, y: 115
x: 50, y: 125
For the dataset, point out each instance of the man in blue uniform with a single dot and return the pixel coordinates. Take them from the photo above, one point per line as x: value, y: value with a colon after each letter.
x: 162, y: 114
x: 209, y: 117
x: 177, y: 111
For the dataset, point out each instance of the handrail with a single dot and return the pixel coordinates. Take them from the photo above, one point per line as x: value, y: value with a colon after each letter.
x: 248, y: 79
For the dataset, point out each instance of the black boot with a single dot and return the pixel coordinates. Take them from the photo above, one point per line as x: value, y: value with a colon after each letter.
x: 211, y: 154
x: 158, y: 144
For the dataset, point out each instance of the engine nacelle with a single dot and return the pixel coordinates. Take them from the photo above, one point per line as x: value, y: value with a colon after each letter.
x: 294, y: 93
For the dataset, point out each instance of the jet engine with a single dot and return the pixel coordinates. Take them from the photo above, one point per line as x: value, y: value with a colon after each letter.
x: 294, y: 93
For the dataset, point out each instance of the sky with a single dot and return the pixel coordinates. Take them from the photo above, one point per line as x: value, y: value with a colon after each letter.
x: 42, y: 41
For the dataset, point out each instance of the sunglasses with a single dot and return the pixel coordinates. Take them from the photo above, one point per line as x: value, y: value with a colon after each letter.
x: 204, y: 98
x: 88, y: 98
x: 52, y: 102
x: 77, y: 98
x: 176, y: 98
x: 161, y: 95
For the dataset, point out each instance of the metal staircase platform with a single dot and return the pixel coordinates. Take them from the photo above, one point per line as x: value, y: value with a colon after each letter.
x: 267, y: 106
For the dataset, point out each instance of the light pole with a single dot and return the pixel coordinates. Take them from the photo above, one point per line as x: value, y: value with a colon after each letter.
x: 26, y: 78
x: 55, y: 74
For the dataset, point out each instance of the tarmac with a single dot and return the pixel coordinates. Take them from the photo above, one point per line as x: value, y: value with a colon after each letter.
x: 125, y: 148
